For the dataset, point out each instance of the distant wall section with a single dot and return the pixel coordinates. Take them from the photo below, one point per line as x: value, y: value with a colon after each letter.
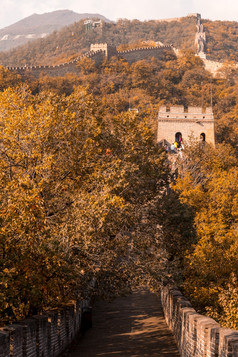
x: 139, y: 54
x: 61, y: 69
x: 200, y: 38
x: 98, y: 52
x: 133, y: 55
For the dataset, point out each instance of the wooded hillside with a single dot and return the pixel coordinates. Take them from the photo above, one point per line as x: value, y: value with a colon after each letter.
x: 222, y: 40
x: 74, y: 40
x: 84, y: 186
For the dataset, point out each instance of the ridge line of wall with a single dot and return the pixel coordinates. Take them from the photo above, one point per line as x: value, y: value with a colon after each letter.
x: 97, y: 55
x: 145, y: 49
x: 88, y: 54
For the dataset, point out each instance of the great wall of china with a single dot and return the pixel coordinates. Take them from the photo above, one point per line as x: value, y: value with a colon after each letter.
x: 132, y: 55
x: 99, y: 51
x: 61, y: 69
x: 50, y: 334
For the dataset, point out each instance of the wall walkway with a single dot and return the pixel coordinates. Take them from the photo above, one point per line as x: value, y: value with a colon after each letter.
x: 136, y: 325
x: 129, y: 326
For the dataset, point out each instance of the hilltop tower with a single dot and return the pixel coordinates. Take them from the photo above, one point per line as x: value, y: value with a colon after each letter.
x: 177, y: 123
x: 92, y: 25
x: 108, y: 50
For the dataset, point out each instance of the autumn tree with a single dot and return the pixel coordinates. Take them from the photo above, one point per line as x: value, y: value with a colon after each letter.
x: 75, y: 193
x: 40, y: 171
x: 8, y: 79
x: 208, y: 183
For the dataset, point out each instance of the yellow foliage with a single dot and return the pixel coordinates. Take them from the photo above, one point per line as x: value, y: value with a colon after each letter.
x: 212, y: 191
x: 70, y: 180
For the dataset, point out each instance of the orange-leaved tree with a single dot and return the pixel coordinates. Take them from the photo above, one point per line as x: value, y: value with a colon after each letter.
x: 76, y: 186
x: 208, y: 183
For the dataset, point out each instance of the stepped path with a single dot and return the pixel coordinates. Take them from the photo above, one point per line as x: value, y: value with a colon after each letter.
x: 129, y: 326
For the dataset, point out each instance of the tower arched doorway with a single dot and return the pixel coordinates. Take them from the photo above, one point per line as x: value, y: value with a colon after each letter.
x: 203, y: 137
x: 178, y: 138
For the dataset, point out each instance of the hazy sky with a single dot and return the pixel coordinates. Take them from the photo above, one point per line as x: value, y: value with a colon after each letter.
x: 15, y: 10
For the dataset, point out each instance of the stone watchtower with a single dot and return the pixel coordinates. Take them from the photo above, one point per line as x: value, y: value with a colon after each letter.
x: 108, y: 50
x: 177, y: 123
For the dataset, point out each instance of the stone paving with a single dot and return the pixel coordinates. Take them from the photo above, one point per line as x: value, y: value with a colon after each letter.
x: 129, y: 326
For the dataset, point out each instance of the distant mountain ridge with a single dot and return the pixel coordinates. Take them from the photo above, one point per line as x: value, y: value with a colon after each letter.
x: 39, y: 26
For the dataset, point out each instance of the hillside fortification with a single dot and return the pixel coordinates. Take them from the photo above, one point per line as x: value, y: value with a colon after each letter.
x: 98, y: 52
x: 135, y: 54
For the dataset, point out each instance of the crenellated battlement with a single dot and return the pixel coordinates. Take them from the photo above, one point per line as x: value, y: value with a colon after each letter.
x: 146, y: 49
x: 189, y: 113
x: 141, y: 53
x: 196, y: 335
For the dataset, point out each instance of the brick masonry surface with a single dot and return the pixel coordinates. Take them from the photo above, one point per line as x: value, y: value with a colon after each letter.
x: 196, y: 335
x: 42, y: 335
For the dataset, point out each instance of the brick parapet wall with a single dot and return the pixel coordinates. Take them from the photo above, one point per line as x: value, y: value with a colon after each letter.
x: 43, y: 335
x: 4, y: 344
x: 196, y: 335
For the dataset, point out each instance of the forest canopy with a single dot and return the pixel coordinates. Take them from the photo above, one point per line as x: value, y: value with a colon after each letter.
x: 84, y: 186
